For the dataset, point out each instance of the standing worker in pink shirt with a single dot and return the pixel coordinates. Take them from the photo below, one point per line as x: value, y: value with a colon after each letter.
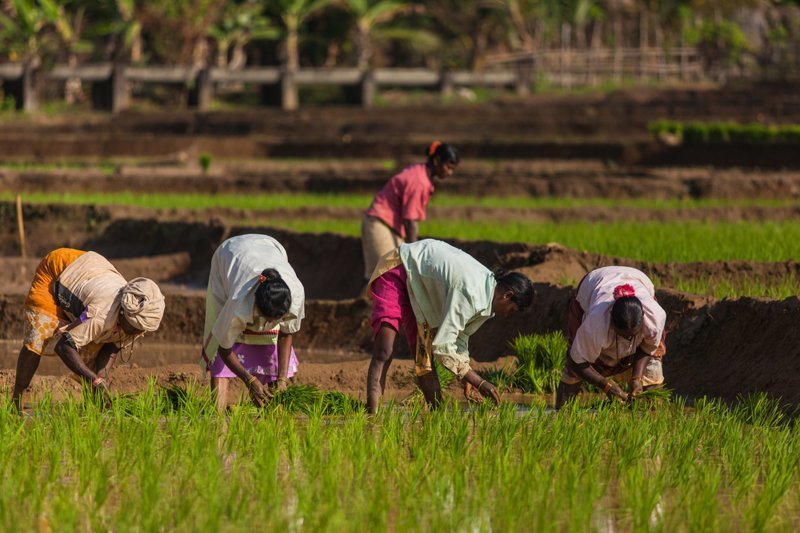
x: 393, y: 217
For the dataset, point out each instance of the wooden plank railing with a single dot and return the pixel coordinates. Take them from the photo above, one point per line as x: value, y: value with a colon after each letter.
x: 111, y: 84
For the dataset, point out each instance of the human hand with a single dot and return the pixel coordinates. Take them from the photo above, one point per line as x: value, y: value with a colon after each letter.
x: 485, y: 390
x: 282, y: 384
x: 616, y: 391
x: 471, y: 393
x: 257, y: 392
x: 101, y: 388
x: 635, y: 387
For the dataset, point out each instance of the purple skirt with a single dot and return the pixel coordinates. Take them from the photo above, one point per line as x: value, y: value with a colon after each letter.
x: 260, y: 361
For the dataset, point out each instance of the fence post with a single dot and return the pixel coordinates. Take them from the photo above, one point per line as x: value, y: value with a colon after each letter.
x: 368, y: 88
x: 202, y: 93
x: 119, y: 88
x: 446, y: 85
x: 289, y: 98
x: 28, y: 98
x: 525, y: 70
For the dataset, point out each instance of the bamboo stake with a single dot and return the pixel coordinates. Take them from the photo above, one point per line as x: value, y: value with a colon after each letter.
x: 21, y: 229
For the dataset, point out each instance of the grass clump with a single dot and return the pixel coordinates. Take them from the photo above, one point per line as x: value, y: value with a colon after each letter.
x: 205, y: 159
x: 725, y: 132
x: 307, y: 399
x: 540, y: 361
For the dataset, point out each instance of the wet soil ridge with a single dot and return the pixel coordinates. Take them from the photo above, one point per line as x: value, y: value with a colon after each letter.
x: 179, y: 253
x: 721, y: 348
x: 603, y: 115
x: 550, y: 178
x: 573, y: 127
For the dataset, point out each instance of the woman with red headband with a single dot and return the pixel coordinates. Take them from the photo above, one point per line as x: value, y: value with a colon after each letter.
x: 614, y: 325
x: 254, y: 305
x: 393, y: 217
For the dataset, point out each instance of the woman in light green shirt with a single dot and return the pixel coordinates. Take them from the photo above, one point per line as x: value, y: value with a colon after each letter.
x: 439, y: 295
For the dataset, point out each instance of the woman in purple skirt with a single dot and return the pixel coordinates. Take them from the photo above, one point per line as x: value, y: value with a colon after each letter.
x: 254, y: 305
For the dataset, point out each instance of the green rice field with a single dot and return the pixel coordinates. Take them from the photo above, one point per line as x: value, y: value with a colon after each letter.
x: 163, y: 460
x: 671, y: 241
x: 361, y: 201
x: 657, y: 242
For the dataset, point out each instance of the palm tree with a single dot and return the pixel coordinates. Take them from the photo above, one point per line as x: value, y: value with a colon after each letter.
x: 292, y: 14
x: 369, y: 15
x: 31, y: 29
x: 241, y: 23
x: 177, y: 31
x: 469, y: 24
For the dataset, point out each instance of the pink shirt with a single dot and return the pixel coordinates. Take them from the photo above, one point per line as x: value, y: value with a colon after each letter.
x: 595, y: 339
x: 404, y: 197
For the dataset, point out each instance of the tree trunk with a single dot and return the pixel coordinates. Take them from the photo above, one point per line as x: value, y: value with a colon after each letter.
x: 222, y: 54
x: 136, y: 48
x: 73, y: 89
x: 238, y: 56
x: 479, y: 44
x: 292, y: 44
x: 363, y: 45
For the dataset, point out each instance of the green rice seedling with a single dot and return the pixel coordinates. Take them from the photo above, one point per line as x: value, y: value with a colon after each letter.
x: 655, y: 395
x: 155, y: 464
x: 309, y: 400
x: 205, y: 160
x: 759, y: 410
x: 266, y: 202
x: 540, y: 361
x: 502, y: 378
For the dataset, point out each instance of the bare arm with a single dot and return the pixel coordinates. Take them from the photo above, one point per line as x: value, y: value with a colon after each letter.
x: 412, y: 230
x: 105, y: 359
x: 640, y: 361
x: 257, y: 392
x: 473, y: 379
x: 284, y: 354
x: 588, y: 373
x: 68, y: 352
x: 232, y: 362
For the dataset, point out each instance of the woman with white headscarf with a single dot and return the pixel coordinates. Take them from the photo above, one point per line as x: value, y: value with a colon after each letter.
x: 81, y: 309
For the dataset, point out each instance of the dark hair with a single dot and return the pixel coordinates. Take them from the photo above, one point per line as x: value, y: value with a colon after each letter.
x: 520, y: 286
x: 626, y: 313
x: 447, y: 153
x: 273, y: 296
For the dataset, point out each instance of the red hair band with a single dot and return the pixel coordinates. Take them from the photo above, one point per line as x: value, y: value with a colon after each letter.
x: 262, y: 278
x: 623, y: 291
x: 433, y: 147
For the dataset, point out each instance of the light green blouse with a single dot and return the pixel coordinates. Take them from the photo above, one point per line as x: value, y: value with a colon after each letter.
x: 451, y: 292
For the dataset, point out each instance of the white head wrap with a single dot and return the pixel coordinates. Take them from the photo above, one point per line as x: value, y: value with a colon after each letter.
x: 142, y: 304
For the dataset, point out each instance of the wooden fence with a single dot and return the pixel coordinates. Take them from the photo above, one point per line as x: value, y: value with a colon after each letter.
x: 111, y: 83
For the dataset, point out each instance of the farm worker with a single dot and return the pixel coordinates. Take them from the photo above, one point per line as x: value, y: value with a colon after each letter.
x: 394, y: 215
x: 614, y: 324
x: 254, y: 305
x: 439, y: 295
x: 81, y: 309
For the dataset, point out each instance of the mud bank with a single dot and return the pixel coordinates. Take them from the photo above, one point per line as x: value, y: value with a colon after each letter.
x: 542, y: 126
x: 716, y: 348
x: 179, y: 252
x: 599, y: 114
x: 721, y: 348
x: 549, y: 178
